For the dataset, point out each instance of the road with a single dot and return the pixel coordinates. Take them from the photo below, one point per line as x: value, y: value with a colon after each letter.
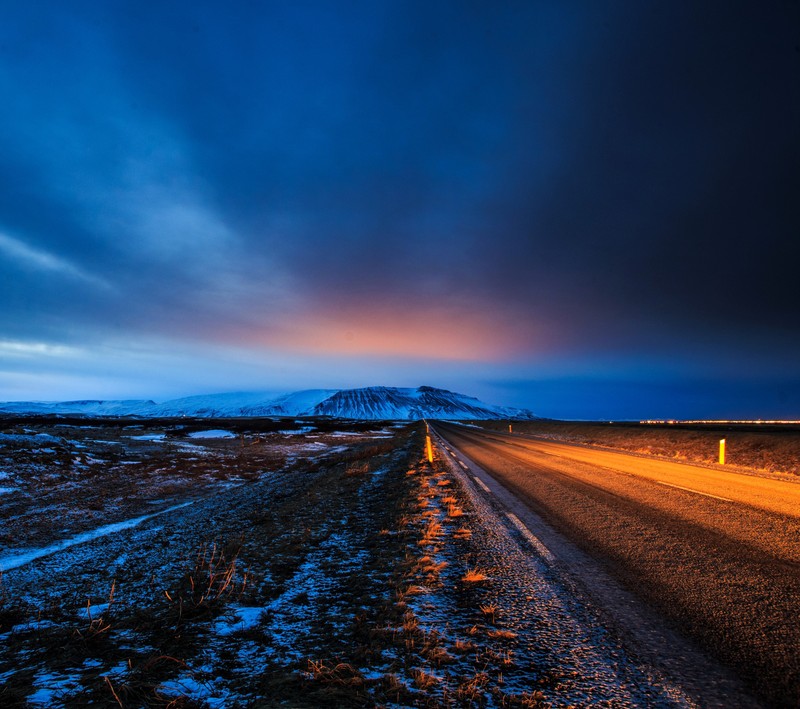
x: 716, y: 553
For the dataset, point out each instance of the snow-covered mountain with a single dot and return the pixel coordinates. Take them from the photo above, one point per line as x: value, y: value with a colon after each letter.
x: 256, y: 403
x: 298, y: 403
x: 88, y: 407
x: 424, y: 402
x: 373, y: 403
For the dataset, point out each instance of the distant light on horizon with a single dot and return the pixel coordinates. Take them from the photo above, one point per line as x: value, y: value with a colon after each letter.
x: 721, y: 421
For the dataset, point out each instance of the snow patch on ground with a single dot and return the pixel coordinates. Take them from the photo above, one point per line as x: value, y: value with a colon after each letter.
x: 212, y: 433
x: 14, y: 561
x: 36, y: 438
x: 88, y: 612
x: 238, y: 618
x: 194, y: 448
x: 188, y: 687
x: 49, y: 687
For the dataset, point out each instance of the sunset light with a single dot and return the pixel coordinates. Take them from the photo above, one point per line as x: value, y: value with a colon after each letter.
x: 419, y: 186
x: 400, y: 354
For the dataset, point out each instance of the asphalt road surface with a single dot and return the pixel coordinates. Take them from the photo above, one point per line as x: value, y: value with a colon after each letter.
x: 716, y: 553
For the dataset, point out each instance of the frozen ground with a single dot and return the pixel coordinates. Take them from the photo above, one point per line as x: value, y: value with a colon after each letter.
x: 295, y: 564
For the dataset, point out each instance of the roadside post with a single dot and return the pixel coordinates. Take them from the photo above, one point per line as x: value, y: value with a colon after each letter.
x: 509, y: 428
x: 429, y: 448
x: 722, y: 451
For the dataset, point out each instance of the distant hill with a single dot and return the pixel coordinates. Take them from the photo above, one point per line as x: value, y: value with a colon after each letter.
x: 372, y: 403
x: 88, y: 407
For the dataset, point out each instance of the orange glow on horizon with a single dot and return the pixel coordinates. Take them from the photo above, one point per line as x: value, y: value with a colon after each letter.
x: 423, y: 335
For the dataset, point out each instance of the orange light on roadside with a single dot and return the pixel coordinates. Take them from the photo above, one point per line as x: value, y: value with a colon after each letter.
x: 429, y: 448
x: 722, y: 451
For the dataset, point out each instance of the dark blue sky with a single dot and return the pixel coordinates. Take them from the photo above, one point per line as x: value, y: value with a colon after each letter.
x: 588, y: 208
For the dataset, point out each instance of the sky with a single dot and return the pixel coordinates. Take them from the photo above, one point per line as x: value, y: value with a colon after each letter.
x: 587, y: 208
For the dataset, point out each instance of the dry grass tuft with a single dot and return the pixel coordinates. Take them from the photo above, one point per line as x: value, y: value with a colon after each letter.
x: 98, y: 626
x: 502, y: 634
x: 423, y: 680
x: 507, y: 660
x: 489, y: 611
x: 416, y: 590
x: 524, y: 700
x: 206, y: 588
x: 474, y: 576
x: 410, y: 622
x: 472, y: 690
x: 433, y: 567
x: 342, y: 674
x: 357, y: 469
x: 437, y: 655
x: 432, y: 532
x: 392, y: 685
x: 464, y: 646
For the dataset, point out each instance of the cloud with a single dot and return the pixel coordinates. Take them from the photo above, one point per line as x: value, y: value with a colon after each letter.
x: 538, y: 181
x: 15, y: 348
x: 39, y: 259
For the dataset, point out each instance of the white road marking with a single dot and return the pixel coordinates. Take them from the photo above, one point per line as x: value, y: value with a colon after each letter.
x: 481, y: 483
x: 696, y: 492
x: 461, y: 464
x: 534, y: 541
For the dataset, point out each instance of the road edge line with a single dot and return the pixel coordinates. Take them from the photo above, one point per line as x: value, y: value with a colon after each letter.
x: 482, y: 484
x: 696, y: 492
x: 534, y: 541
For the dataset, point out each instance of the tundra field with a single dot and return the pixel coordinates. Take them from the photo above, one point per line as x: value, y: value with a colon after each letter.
x: 282, y: 563
x: 296, y: 562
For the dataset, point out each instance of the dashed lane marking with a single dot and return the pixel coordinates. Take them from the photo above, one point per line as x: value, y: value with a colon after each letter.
x: 461, y: 464
x: 696, y: 492
x: 532, y: 539
x: 481, y: 483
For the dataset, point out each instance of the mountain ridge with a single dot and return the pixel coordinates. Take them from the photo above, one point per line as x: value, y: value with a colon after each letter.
x: 370, y: 403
